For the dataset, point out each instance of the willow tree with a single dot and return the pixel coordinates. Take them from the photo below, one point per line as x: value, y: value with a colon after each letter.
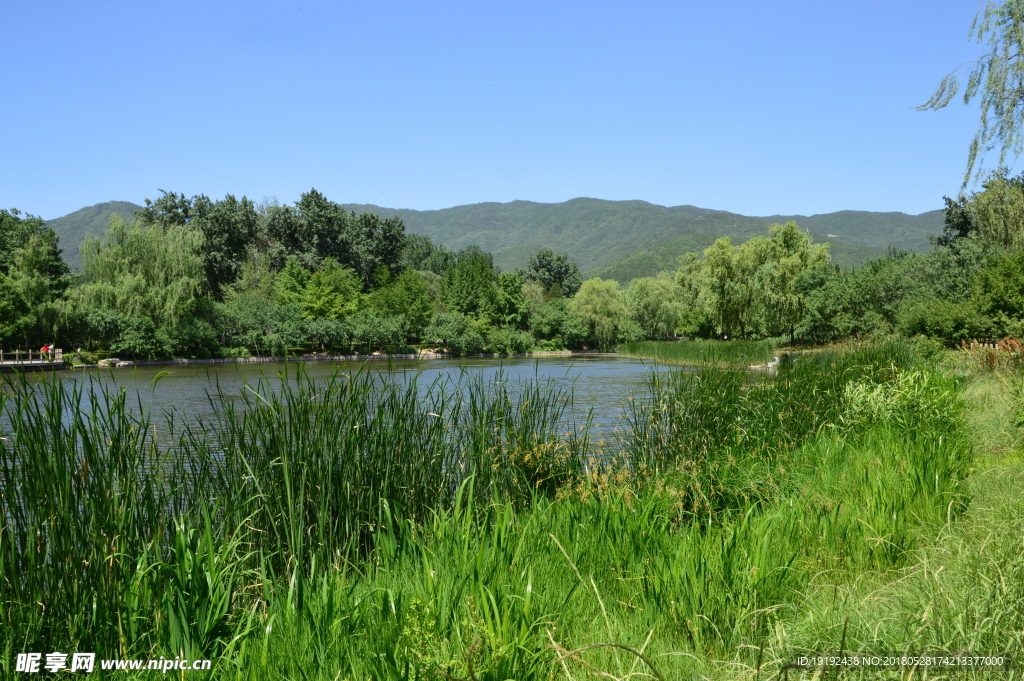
x: 999, y: 211
x: 996, y: 80
x: 656, y: 304
x: 144, y: 270
x: 150, y: 277
x: 779, y: 278
x: 600, y: 307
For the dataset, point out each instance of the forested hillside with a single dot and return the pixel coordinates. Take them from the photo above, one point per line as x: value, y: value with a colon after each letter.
x: 599, y: 235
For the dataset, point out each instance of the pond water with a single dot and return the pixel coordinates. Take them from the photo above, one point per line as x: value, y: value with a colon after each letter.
x: 600, y: 384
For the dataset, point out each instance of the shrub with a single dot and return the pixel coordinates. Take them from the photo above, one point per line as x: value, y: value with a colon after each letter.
x: 943, y: 320
x: 509, y: 341
x: 327, y: 334
x: 373, y: 331
x: 452, y: 331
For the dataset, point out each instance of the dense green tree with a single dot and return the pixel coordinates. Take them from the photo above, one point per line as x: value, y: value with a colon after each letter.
x: 228, y: 228
x: 331, y: 292
x: 947, y: 321
x: 416, y: 250
x: 33, y: 280
x: 550, y: 268
x: 999, y: 294
x: 92, y: 327
x: 534, y: 293
x: 729, y: 285
x: 327, y: 334
x: 655, y: 304
x: 319, y: 232
x: 279, y: 237
x: 826, y: 305
x: 959, y: 221
x: 318, y: 228
x: 17, y: 321
x: 373, y: 332
x: 509, y: 341
x: 510, y: 307
x: 15, y: 234
x: 470, y: 285
x: 291, y: 281
x: 258, y: 276
x: 453, y: 331
x: 374, y: 243
x: 952, y: 269
x: 174, y: 210
x: 998, y: 211
x: 408, y: 295
x: 152, y: 274
x: 600, y: 307
x: 868, y: 300
x: 262, y: 324
x: 789, y: 257
x: 691, y: 289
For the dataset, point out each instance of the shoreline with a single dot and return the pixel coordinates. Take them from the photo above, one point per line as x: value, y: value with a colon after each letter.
x: 330, y: 358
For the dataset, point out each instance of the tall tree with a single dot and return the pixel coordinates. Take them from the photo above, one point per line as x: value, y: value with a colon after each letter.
x: 419, y: 253
x: 407, y: 295
x: 600, y: 307
x: 550, y: 268
x: 228, y: 227
x: 372, y: 242
x: 729, y: 290
x: 470, y: 285
x: 153, y: 277
x: 790, y: 256
x: 655, y: 304
x: 33, y: 279
x: 332, y: 292
x: 998, y: 211
x: 510, y: 306
x: 16, y: 230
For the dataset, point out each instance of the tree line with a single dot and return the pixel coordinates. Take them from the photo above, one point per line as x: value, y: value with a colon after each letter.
x: 194, y: 277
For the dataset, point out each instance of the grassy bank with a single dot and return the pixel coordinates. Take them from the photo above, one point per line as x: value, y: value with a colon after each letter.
x: 701, y: 352
x: 345, y: 529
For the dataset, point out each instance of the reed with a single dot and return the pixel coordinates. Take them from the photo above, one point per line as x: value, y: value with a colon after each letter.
x: 701, y: 352
x: 112, y: 542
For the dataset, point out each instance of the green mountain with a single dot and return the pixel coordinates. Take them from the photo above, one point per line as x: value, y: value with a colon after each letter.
x: 624, y: 239
x: 613, y: 239
x: 72, y: 229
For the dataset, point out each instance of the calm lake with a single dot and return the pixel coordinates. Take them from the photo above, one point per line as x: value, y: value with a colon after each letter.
x: 600, y: 384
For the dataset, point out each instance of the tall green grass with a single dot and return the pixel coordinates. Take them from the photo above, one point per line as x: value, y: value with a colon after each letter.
x: 111, y: 542
x: 701, y: 352
x: 355, y: 529
x: 727, y: 437
x: 497, y: 594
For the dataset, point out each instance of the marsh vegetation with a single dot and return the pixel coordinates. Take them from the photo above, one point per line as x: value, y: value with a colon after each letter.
x: 354, y: 527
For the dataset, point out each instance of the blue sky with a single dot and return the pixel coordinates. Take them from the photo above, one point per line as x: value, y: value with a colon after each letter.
x: 756, y: 107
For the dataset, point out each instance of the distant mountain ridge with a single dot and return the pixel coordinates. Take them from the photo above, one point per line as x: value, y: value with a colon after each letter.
x: 613, y: 239
x: 599, y: 235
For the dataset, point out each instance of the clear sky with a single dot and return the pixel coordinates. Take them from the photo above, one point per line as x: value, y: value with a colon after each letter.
x: 757, y: 107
